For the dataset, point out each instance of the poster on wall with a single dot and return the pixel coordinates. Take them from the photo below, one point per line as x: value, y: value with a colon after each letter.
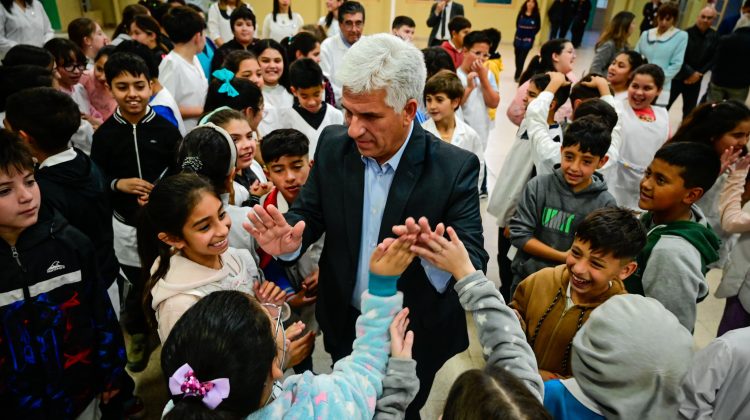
x: 495, y: 1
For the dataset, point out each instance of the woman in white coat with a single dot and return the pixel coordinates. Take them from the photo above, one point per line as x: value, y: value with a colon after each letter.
x: 23, y: 22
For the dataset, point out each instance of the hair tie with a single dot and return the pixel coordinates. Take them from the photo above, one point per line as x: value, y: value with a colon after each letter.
x: 212, y: 392
x: 230, y: 142
x: 226, y: 76
x: 193, y: 163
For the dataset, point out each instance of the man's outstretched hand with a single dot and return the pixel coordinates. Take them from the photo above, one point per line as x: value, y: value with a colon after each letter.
x: 412, y: 227
x: 272, y: 232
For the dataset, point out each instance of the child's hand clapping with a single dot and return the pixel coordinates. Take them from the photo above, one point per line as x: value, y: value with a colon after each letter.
x: 392, y: 256
x: 401, y: 340
x: 450, y: 256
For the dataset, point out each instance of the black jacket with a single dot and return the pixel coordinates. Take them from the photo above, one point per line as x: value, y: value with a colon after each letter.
x: 700, y: 52
x: 433, y: 179
x: 61, y: 344
x: 78, y: 190
x: 433, y: 21
x: 123, y: 150
x: 732, y: 66
x: 562, y: 12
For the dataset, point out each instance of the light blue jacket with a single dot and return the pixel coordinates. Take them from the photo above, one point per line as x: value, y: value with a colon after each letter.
x: 351, y: 391
x: 666, y: 51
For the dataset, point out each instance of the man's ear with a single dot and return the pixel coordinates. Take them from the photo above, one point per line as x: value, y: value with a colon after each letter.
x: 602, y: 161
x: 627, y: 270
x: 410, y: 111
x: 692, y: 195
x: 171, y: 240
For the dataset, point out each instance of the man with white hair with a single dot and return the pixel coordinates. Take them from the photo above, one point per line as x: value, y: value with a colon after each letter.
x: 332, y: 50
x: 368, y: 178
x: 699, y: 58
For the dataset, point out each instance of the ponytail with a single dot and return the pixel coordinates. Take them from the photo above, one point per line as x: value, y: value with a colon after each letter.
x: 169, y: 206
x: 542, y: 62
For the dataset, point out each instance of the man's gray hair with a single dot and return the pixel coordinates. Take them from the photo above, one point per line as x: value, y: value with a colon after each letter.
x: 384, y: 61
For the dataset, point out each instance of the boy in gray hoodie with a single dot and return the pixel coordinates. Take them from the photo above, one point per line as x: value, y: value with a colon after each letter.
x: 553, y: 205
x: 680, y: 243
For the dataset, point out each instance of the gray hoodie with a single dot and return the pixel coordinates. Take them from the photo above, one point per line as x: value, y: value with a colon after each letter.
x: 550, y: 211
x: 630, y: 358
x: 717, y: 385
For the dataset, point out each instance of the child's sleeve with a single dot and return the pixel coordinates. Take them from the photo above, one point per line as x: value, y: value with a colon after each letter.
x: 545, y: 152
x: 523, y: 224
x: 400, y: 386
x: 358, y: 378
x: 704, y: 379
x: 517, y: 110
x: 500, y: 334
x: 673, y: 277
x: 733, y: 219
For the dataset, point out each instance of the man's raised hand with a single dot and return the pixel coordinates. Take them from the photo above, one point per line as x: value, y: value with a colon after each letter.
x: 273, y: 234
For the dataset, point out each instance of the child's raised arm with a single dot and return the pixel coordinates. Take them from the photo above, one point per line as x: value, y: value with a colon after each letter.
x: 733, y: 219
x: 503, y: 342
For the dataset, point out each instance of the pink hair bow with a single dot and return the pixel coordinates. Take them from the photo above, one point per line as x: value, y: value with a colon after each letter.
x: 212, y: 392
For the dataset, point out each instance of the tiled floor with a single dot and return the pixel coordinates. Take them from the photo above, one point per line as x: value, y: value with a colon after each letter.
x: 151, y: 385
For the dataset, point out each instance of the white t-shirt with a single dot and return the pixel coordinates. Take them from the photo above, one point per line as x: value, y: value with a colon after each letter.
x: 334, y: 30
x: 283, y: 27
x: 185, y: 81
x: 474, y: 109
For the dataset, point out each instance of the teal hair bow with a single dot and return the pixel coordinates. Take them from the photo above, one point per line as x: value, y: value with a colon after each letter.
x: 226, y: 76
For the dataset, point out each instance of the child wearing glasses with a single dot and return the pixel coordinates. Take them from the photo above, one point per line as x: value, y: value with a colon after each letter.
x: 481, y: 92
x: 228, y: 326
x: 70, y: 63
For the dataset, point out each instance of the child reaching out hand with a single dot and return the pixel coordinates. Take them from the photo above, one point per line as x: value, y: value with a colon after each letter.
x: 228, y: 326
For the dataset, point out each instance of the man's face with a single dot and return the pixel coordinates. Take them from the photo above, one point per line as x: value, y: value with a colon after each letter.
x: 378, y: 130
x: 705, y: 19
x: 351, y: 26
x: 405, y: 32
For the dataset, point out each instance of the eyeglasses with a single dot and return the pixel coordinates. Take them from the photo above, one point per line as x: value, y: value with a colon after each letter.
x: 279, y: 314
x: 349, y: 24
x: 73, y: 67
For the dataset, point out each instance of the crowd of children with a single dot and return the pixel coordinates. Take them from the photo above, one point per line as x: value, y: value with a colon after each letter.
x: 128, y: 169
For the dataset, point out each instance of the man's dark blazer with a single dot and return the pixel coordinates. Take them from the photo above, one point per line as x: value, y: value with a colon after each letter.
x: 433, y: 179
x: 434, y: 21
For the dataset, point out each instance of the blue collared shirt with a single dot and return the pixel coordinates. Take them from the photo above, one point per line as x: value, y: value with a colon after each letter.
x: 378, y: 180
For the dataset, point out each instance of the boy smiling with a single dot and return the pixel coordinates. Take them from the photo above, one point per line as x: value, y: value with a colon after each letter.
x: 602, y: 256
x: 553, y: 205
x: 680, y: 244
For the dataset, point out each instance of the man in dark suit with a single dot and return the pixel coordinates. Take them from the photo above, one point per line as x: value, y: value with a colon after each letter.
x: 441, y: 12
x: 368, y: 177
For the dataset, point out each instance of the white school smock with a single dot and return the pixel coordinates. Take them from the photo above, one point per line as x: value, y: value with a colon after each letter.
x: 277, y: 97
x: 18, y: 26
x: 283, y: 27
x: 640, y: 141
x: 290, y: 118
x: 474, y: 109
x: 464, y: 137
x: 186, y: 82
x: 332, y: 52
